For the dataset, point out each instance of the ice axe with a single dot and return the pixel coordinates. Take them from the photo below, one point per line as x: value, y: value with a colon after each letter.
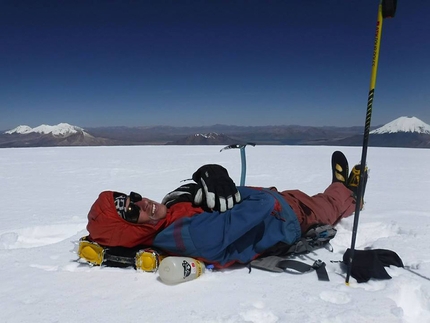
x: 242, y: 158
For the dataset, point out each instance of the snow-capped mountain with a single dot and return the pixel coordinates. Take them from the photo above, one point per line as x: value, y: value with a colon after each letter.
x: 407, y: 132
x: 61, y: 129
x: 62, y: 134
x: 404, y: 124
x: 20, y: 129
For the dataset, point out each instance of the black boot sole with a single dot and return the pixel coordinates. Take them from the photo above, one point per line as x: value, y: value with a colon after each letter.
x: 339, y: 167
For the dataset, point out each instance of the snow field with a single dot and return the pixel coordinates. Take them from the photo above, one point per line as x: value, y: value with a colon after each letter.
x: 47, y: 192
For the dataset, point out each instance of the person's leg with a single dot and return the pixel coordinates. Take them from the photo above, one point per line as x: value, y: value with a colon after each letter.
x: 324, y: 208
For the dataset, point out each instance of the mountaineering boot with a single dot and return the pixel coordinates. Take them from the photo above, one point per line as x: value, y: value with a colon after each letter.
x: 339, y: 167
x: 354, y: 180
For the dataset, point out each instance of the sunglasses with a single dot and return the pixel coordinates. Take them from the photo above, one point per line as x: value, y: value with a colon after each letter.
x: 132, y: 211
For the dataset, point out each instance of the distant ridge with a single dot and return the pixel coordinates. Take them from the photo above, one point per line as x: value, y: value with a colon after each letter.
x: 407, y: 132
x: 211, y: 138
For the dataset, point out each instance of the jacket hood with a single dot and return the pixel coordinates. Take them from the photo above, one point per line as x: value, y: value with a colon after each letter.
x: 107, y: 228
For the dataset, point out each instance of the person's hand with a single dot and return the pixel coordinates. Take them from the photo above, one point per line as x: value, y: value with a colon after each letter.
x: 216, y: 190
x: 184, y: 193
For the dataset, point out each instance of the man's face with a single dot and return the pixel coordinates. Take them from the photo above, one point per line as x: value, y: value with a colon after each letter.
x: 150, y: 211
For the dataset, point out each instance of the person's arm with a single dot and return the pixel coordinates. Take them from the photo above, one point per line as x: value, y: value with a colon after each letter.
x: 213, y: 190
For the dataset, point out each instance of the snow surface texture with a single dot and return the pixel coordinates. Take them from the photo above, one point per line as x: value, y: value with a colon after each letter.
x: 404, y: 124
x: 46, y: 193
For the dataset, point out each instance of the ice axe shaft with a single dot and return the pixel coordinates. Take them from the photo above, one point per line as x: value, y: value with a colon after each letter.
x: 242, y: 158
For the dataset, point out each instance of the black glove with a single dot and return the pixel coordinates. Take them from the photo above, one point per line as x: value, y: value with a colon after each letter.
x: 216, y: 190
x: 184, y: 193
x: 370, y: 263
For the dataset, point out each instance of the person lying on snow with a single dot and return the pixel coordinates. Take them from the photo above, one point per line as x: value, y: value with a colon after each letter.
x: 218, y: 223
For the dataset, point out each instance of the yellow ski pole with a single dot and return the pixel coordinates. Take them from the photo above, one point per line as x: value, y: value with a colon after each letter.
x: 386, y: 9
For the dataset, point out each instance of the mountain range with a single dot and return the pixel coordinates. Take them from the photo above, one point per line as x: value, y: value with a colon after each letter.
x: 409, y: 132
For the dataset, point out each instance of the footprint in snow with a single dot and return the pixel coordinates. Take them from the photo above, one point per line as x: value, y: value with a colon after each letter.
x: 414, y: 300
x: 335, y: 297
x: 38, y: 236
x: 257, y: 313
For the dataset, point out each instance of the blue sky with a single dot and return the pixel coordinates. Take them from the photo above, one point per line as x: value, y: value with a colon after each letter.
x: 189, y: 63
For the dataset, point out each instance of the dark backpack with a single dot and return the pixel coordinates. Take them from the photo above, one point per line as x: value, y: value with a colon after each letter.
x: 278, y: 257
